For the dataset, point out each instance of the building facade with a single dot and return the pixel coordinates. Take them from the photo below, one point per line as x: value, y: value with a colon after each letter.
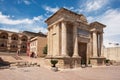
x: 71, y: 39
x: 37, y: 45
x: 12, y: 41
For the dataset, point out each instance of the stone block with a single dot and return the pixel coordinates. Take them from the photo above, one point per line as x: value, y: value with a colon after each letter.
x: 97, y: 61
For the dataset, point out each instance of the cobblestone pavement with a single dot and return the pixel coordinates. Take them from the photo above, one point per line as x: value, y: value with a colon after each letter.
x: 41, y: 73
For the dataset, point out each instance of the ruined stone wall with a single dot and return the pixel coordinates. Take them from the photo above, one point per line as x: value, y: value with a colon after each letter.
x: 112, y: 53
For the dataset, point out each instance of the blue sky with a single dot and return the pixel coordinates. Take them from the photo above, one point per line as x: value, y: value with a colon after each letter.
x: 20, y: 15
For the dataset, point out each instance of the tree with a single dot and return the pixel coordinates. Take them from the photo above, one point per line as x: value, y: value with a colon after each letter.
x: 45, y: 50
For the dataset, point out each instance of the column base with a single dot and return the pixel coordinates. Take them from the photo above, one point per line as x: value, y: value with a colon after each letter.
x: 97, y: 61
x: 76, y: 56
x: 48, y: 56
x: 65, y: 56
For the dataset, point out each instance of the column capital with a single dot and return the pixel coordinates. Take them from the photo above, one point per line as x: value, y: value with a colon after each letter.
x: 64, y: 22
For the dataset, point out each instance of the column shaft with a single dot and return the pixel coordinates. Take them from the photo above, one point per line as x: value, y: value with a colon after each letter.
x: 102, y: 50
x: 58, y: 40
x: 95, y: 44
x: 75, y: 43
x: 64, y: 39
x: 51, y: 43
x: 48, y: 41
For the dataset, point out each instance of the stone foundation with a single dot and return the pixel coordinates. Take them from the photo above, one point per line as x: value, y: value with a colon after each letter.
x: 97, y: 61
x: 65, y: 62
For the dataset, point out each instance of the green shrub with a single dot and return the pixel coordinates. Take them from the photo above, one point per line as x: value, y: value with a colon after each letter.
x: 107, y: 61
x: 89, y: 62
x: 54, y: 62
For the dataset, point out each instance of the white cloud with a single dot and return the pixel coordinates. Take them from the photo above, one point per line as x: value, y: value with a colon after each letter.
x: 41, y: 29
x: 92, y: 5
x: 38, y: 18
x: 10, y: 29
x: 35, y: 24
x: 26, y: 2
x: 111, y: 18
x: 69, y: 8
x: 7, y: 20
x: 51, y: 9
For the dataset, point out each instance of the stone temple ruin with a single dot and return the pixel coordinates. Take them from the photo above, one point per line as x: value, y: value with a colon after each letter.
x: 71, y: 39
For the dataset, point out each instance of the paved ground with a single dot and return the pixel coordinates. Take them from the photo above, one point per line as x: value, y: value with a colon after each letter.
x: 44, y: 72
x: 41, y: 73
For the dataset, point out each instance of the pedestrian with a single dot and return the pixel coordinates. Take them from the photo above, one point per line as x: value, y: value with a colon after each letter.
x: 18, y: 52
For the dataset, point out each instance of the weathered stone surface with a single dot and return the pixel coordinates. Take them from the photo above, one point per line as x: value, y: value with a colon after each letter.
x: 73, y: 39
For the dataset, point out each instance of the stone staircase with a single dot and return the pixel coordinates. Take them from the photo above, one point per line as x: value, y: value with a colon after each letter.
x: 21, y: 59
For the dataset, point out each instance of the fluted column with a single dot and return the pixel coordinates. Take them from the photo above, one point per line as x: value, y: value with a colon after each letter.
x: 75, y: 43
x: 95, y: 44
x: 64, y: 40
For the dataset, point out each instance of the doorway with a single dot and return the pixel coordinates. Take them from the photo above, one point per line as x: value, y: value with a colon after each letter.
x: 82, y: 50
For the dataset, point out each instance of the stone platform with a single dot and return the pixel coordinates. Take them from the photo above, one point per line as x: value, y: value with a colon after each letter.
x: 97, y: 61
x: 65, y: 62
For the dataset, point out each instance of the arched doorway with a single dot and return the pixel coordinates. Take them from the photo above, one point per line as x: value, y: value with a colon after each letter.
x: 23, y: 47
x: 3, y: 41
x: 14, y: 37
x: 3, y: 45
x: 13, y: 47
x: 4, y: 35
x: 24, y: 38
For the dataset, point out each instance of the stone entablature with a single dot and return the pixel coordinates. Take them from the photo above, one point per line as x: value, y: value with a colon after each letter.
x: 66, y: 15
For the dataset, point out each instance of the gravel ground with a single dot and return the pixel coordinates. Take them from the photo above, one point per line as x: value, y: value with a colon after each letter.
x: 41, y: 73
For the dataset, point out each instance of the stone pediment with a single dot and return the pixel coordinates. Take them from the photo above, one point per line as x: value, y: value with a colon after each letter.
x: 97, y: 26
x: 67, y: 15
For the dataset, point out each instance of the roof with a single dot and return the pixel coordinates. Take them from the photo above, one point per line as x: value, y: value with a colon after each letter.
x: 98, y: 23
x: 63, y: 9
x: 34, y: 34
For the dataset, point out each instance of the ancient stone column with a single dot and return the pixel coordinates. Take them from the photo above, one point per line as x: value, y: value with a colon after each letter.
x: 58, y: 39
x: 75, y: 43
x: 51, y: 44
x: 101, y: 40
x: 95, y: 44
x: 64, y: 39
x: 48, y: 41
x: 88, y: 55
